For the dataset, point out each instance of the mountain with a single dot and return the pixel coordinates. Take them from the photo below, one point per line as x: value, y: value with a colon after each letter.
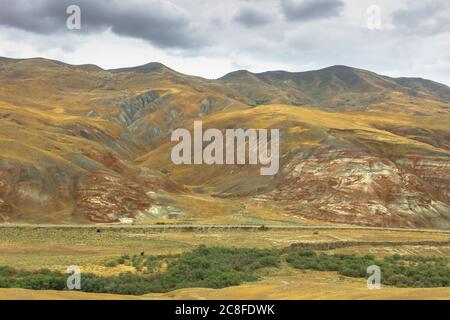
x: 79, y: 144
x: 337, y: 88
x: 146, y: 68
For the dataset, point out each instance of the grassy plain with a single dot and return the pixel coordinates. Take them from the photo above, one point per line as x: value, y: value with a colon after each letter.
x: 56, y: 248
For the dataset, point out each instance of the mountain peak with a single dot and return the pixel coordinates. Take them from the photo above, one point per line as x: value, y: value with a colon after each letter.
x: 236, y: 75
x: 145, y: 68
x: 339, y: 67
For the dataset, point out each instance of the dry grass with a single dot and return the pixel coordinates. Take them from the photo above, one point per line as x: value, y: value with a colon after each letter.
x: 293, y: 286
x: 35, y: 248
x: 305, y: 127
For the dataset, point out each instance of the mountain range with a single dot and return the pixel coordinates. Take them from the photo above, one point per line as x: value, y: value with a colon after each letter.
x: 80, y: 144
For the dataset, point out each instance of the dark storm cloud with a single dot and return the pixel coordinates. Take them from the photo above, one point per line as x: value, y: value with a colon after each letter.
x: 159, y: 22
x: 424, y: 18
x: 303, y: 10
x: 250, y: 17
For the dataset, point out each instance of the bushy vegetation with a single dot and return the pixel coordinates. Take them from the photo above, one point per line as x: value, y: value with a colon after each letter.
x: 140, y: 263
x: 219, y: 267
x: 205, y: 267
x: 396, y: 270
x: 36, y: 280
x: 125, y: 259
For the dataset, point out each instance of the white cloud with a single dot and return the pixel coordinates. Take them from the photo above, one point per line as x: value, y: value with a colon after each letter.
x: 265, y: 41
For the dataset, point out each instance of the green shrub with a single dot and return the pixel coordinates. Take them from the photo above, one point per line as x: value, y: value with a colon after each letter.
x: 111, y: 264
x: 214, y: 267
x: 219, y: 267
x: 396, y: 270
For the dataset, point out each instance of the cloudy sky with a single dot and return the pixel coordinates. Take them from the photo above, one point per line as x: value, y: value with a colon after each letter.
x: 213, y: 37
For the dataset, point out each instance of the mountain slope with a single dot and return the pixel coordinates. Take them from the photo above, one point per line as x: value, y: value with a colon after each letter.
x: 79, y: 144
x: 337, y: 88
x: 334, y: 167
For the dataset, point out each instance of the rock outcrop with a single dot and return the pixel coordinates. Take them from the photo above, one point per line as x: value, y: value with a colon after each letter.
x: 354, y: 187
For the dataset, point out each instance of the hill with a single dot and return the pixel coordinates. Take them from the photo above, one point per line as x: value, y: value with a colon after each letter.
x: 338, y: 88
x: 79, y: 144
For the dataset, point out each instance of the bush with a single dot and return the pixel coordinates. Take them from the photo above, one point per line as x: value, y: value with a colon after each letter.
x: 111, y: 264
x: 219, y: 267
x: 397, y: 270
x: 208, y: 267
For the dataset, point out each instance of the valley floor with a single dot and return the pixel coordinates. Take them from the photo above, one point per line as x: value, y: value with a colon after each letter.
x: 300, y: 286
x: 57, y: 247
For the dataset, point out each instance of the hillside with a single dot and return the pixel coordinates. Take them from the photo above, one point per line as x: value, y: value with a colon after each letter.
x: 79, y: 144
x: 339, y: 88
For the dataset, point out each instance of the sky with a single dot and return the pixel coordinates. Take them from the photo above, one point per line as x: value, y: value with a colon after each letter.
x: 210, y: 38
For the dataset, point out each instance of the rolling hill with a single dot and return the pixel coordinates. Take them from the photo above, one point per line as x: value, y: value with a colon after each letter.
x: 79, y: 144
x: 337, y: 88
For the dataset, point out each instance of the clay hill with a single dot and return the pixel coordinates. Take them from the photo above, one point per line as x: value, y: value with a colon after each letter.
x: 79, y: 144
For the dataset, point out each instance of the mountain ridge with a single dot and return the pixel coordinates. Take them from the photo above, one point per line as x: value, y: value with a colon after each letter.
x: 154, y: 66
x: 82, y: 144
